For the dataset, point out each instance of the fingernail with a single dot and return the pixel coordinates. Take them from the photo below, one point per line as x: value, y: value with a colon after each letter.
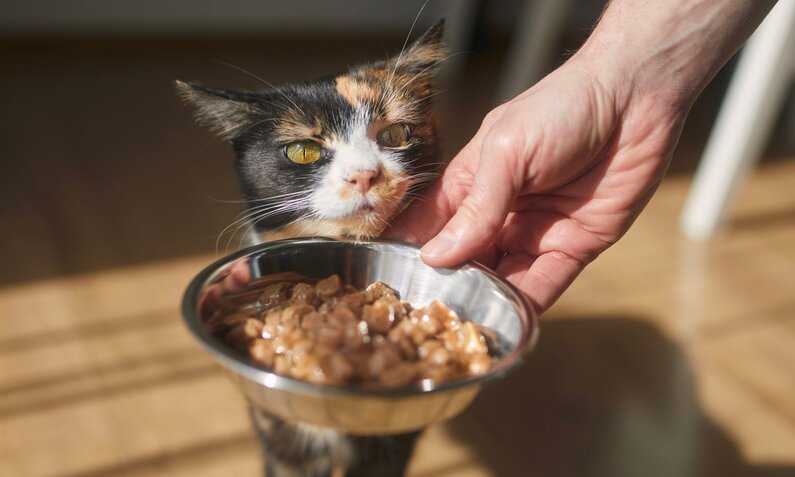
x: 441, y: 245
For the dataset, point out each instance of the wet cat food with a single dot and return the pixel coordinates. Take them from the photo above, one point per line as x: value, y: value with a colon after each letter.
x: 333, y: 334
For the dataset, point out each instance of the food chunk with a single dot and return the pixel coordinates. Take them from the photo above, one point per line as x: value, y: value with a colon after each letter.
x: 330, y: 333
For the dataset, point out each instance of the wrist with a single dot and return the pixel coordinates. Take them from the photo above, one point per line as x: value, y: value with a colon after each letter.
x: 667, y: 53
x: 634, y: 70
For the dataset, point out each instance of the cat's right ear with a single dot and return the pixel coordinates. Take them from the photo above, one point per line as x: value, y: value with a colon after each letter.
x: 228, y: 113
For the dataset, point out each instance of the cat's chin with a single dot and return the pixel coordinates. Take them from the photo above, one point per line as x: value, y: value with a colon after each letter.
x: 360, y: 225
x: 363, y: 223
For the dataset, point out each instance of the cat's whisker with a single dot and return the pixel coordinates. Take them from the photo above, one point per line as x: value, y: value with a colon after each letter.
x: 403, y: 49
x: 426, y: 176
x: 423, y: 178
x: 280, y: 196
x: 246, y: 226
x: 417, y: 190
x: 243, y: 70
x: 243, y: 236
x: 416, y: 196
x: 423, y: 174
x: 246, y: 201
x: 257, y: 123
x: 259, y: 209
x: 268, y: 211
x: 427, y: 68
x: 395, y: 94
x: 432, y: 164
x: 252, y: 217
x: 234, y: 226
x: 425, y: 98
x: 423, y: 181
x: 419, y: 186
x: 381, y: 222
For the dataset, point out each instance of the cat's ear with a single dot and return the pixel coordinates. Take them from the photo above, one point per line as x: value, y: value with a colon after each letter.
x: 420, y: 60
x: 228, y: 113
x: 426, y: 52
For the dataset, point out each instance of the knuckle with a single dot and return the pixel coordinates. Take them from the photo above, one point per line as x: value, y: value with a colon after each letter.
x: 491, y: 117
x: 502, y: 142
x: 494, y: 115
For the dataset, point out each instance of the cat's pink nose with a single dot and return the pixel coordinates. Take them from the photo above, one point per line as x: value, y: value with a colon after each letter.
x: 363, y: 180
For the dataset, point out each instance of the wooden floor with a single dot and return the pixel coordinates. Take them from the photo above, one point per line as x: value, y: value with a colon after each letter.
x: 665, y: 358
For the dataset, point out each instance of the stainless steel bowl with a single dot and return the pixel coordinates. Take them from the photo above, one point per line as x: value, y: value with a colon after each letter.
x: 473, y: 291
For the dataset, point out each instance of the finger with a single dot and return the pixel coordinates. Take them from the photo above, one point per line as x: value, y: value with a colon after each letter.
x: 540, y: 231
x: 543, y: 278
x: 481, y: 215
x: 489, y: 256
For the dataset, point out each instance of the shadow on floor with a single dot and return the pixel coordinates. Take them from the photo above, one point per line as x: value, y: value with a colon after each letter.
x: 762, y: 220
x: 605, y: 396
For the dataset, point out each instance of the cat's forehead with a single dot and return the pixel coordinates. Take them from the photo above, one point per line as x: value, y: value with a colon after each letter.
x: 364, y: 86
x: 333, y: 105
x: 311, y: 110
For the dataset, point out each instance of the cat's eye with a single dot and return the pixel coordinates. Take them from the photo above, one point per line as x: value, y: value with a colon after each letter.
x: 303, y: 152
x: 396, y: 135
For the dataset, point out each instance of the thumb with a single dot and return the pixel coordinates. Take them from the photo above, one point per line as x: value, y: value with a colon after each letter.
x: 481, y: 215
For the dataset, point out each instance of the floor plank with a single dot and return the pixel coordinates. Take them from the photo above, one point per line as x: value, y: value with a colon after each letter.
x: 664, y: 358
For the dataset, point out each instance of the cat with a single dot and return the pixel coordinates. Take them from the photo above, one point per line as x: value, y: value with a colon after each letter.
x: 336, y: 157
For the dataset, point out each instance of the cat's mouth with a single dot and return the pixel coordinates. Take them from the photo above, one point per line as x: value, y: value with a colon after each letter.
x: 370, y: 211
x: 372, y: 215
x: 367, y: 219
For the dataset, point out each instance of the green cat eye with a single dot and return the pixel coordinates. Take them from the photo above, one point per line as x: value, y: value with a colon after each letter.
x: 303, y: 152
x: 396, y: 135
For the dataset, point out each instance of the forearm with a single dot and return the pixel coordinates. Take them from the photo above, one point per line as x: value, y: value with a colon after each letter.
x: 669, y: 49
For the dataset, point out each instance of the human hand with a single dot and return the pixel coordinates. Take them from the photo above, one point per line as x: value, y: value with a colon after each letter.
x: 551, y: 179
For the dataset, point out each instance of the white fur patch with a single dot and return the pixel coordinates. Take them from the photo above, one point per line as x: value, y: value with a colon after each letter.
x: 335, y: 197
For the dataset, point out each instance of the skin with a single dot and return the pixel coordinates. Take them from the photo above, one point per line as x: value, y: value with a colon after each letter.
x: 558, y: 174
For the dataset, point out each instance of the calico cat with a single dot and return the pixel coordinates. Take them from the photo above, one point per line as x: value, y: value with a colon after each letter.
x: 335, y: 157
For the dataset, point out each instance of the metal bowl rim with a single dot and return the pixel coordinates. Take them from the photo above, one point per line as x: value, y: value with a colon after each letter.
x: 263, y: 376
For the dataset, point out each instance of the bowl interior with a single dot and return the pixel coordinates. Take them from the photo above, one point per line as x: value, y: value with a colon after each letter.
x: 471, y: 291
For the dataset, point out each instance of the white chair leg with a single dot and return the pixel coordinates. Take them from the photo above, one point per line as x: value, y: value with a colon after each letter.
x: 534, y: 41
x: 754, y: 97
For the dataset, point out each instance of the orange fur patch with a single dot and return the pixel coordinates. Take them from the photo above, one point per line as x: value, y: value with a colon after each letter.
x: 355, y: 90
x: 346, y: 228
x: 291, y: 130
x: 346, y: 191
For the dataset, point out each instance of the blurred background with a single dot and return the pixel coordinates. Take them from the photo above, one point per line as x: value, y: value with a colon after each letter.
x: 669, y: 356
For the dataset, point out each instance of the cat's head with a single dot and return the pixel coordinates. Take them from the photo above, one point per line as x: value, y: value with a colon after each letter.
x: 338, y: 156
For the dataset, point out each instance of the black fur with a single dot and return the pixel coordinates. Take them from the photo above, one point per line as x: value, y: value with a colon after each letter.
x: 263, y: 169
x: 284, y: 450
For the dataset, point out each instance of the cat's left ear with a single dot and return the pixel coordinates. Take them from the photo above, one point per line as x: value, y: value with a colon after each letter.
x: 228, y: 113
x: 422, y: 58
